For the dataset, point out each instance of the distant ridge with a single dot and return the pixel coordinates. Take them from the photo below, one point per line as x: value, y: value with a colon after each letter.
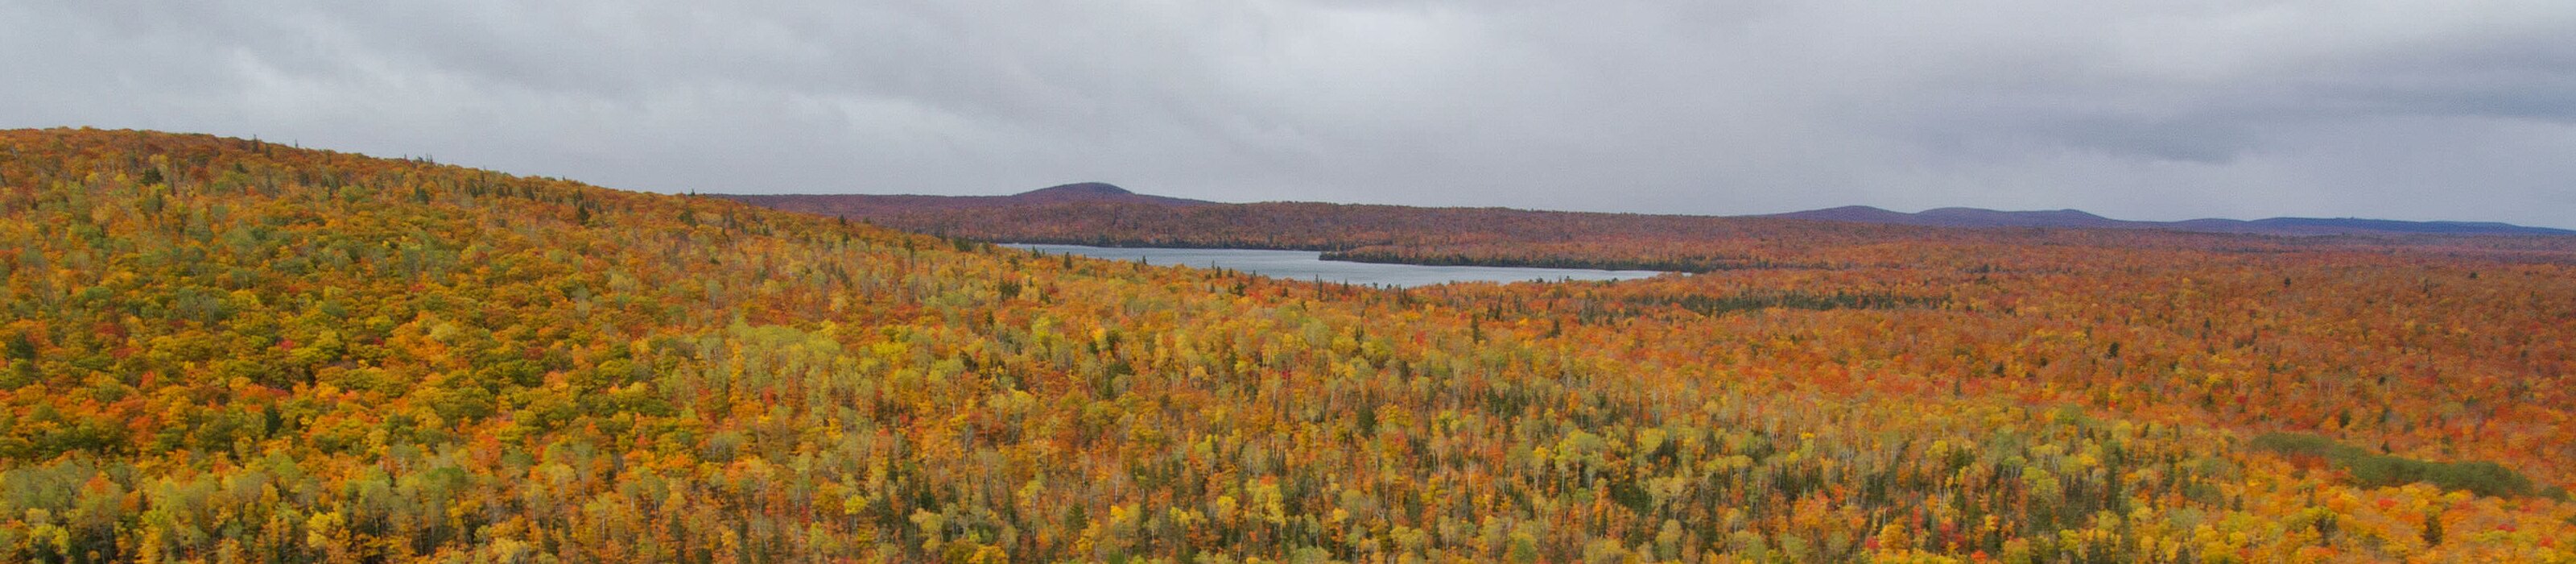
x: 870, y: 206
x: 878, y: 205
x: 1976, y: 217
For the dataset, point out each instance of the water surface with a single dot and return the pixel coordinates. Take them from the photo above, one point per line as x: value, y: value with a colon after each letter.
x: 1308, y: 265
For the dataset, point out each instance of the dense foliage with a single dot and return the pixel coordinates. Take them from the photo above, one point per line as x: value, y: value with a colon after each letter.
x: 227, y: 350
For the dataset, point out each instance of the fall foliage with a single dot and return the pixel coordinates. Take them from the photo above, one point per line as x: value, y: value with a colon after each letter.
x: 229, y: 350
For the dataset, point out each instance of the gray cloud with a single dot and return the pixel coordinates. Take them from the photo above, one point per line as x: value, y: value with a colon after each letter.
x: 2147, y: 110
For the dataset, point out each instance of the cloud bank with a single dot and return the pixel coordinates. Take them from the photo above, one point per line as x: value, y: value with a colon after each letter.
x: 2155, y: 110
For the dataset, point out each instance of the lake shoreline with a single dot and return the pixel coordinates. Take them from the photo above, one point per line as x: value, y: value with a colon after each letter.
x: 1299, y: 264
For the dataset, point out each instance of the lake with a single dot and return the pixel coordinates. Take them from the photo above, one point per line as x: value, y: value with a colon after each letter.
x: 1308, y: 265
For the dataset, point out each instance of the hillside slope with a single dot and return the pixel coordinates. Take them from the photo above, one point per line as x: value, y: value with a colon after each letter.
x: 221, y: 349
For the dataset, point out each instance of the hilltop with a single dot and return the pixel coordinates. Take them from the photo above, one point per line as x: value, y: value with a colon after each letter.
x: 221, y: 349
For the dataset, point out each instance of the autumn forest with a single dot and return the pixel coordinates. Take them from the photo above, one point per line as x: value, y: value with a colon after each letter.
x: 228, y: 350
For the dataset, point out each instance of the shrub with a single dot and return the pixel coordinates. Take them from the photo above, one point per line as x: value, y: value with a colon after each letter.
x: 2378, y: 470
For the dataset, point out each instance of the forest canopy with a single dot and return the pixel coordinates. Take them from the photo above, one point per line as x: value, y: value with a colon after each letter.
x: 228, y: 350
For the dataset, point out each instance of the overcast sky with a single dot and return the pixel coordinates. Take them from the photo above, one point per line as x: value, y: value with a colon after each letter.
x: 2437, y: 109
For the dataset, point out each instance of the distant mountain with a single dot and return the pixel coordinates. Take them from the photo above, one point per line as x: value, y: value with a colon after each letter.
x: 877, y: 205
x: 1975, y: 217
x: 1093, y: 192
